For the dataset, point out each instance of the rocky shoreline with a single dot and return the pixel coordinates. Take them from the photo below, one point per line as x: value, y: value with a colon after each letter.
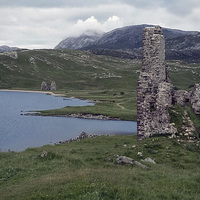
x: 79, y: 115
x: 82, y: 136
x: 92, y: 116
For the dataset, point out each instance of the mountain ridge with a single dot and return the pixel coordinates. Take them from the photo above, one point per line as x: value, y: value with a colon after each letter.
x: 81, y: 41
x: 126, y: 42
x: 6, y: 48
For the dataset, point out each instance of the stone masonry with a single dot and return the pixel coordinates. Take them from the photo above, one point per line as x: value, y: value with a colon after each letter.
x: 154, y: 90
x: 195, y: 99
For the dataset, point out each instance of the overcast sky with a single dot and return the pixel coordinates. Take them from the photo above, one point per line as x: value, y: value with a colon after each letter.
x: 44, y: 23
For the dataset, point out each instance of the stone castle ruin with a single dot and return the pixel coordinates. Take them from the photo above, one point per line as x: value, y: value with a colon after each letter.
x: 155, y: 94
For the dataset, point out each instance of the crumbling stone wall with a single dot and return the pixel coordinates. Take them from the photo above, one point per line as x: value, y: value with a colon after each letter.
x: 181, y: 97
x: 195, y: 99
x: 154, y: 90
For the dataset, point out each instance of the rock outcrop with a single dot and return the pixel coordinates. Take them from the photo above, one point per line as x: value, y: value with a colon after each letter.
x: 52, y: 87
x: 44, y: 86
x: 154, y: 90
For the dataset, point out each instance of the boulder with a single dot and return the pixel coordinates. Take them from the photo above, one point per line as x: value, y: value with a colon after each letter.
x: 149, y: 160
x: 140, y: 165
x: 124, y: 160
x: 82, y: 136
x: 44, y: 154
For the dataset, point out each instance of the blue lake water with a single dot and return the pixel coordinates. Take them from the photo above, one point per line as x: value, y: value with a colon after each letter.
x: 19, y: 132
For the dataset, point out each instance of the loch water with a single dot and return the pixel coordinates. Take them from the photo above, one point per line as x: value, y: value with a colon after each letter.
x: 19, y: 132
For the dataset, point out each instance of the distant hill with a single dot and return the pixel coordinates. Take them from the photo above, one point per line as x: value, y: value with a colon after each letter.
x: 7, y: 48
x: 82, y: 70
x: 126, y: 42
x: 82, y: 41
x: 70, y: 69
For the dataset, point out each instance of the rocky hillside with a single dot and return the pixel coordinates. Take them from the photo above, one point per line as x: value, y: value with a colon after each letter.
x: 79, y: 70
x: 126, y: 42
x: 70, y: 69
x: 82, y: 41
x: 185, y: 47
x: 7, y: 48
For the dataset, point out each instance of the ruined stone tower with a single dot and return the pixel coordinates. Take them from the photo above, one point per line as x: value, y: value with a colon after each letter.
x: 154, y: 90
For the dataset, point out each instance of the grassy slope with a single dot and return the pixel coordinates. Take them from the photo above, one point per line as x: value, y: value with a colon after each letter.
x: 111, y: 81
x: 79, y: 74
x: 87, y: 170
x: 72, y: 70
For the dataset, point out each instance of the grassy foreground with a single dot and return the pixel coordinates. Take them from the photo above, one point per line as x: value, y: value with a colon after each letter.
x: 87, y: 170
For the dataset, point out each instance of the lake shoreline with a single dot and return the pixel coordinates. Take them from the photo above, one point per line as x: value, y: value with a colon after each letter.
x: 73, y: 115
x: 33, y: 91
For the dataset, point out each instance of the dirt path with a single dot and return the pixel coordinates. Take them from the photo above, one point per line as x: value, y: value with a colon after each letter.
x: 122, y: 107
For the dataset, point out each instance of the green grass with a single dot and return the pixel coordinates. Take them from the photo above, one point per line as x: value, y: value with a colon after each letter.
x: 177, y: 117
x: 72, y: 70
x: 110, y: 81
x: 184, y: 75
x: 87, y: 170
x: 195, y: 119
x: 111, y: 104
x: 176, y: 114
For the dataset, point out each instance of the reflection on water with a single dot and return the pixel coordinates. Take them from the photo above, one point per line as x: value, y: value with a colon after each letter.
x: 18, y: 132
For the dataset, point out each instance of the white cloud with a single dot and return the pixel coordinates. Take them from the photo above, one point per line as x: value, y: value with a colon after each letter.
x: 92, y: 23
x: 43, y: 25
x: 114, y: 18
